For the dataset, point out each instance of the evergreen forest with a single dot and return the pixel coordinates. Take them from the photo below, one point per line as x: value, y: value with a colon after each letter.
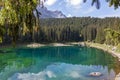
x: 98, y: 30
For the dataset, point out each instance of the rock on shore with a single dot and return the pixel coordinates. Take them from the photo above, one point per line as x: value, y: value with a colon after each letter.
x: 34, y: 45
x: 59, y: 44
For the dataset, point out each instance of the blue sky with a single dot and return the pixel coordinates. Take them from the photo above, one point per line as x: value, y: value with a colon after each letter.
x: 79, y: 9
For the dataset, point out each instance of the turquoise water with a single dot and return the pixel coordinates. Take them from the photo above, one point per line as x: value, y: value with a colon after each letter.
x: 57, y: 63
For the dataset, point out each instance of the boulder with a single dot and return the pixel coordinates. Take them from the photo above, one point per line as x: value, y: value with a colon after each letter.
x: 95, y: 74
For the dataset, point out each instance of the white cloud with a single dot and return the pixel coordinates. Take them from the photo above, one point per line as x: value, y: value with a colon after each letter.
x: 50, y: 2
x: 74, y: 3
x: 69, y: 15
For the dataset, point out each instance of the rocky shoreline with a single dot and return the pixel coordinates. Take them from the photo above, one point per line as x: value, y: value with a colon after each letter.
x: 104, y: 48
x: 60, y: 44
x: 36, y: 45
x: 89, y: 44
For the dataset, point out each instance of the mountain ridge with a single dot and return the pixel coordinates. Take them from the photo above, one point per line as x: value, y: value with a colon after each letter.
x: 45, y: 13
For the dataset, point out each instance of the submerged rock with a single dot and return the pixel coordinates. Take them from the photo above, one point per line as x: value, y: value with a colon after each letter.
x: 95, y: 74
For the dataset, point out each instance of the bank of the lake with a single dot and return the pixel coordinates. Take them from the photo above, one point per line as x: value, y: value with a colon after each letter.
x: 108, y: 48
x: 104, y: 47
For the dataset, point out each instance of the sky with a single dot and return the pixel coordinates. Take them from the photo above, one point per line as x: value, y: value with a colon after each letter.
x: 78, y: 8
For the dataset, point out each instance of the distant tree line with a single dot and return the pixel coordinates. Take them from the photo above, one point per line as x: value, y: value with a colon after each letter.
x: 99, y: 30
x: 81, y: 29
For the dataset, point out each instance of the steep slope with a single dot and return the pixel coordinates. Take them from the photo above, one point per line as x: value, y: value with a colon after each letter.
x: 45, y: 13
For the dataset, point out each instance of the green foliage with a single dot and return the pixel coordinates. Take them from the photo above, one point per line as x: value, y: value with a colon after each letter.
x: 1, y: 3
x: 118, y: 48
x: 17, y: 14
x: 115, y: 3
x: 71, y: 29
x: 112, y: 37
x: 100, y: 36
x: 76, y: 29
x: 2, y: 31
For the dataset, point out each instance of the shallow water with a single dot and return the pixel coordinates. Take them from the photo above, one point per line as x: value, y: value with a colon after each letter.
x: 57, y: 63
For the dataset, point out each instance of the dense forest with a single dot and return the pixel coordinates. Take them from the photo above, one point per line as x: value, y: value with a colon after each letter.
x: 99, y: 30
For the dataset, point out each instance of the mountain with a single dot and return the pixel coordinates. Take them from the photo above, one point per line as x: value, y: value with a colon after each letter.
x: 45, y: 13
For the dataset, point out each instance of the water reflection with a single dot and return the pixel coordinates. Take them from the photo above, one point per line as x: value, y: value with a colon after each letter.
x: 63, y: 71
x: 68, y: 60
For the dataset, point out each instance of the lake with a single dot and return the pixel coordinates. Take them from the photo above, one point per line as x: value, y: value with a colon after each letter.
x: 57, y: 63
